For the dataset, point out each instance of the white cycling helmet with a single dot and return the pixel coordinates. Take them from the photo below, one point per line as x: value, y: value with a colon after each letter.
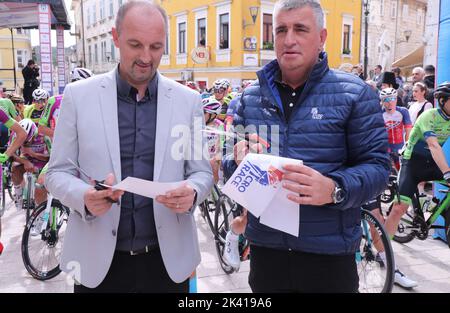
x: 387, y: 93
x: 40, y: 94
x: 80, y: 73
x: 30, y: 128
x: 221, y: 84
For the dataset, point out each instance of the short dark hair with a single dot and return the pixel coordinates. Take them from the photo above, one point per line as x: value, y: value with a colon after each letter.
x: 30, y: 62
x: 396, y: 70
x: 429, y: 69
x: 379, y: 67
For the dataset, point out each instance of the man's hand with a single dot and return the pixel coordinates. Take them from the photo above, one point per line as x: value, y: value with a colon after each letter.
x: 98, y: 202
x: 244, y: 147
x: 308, y: 185
x: 28, y: 166
x: 179, y: 200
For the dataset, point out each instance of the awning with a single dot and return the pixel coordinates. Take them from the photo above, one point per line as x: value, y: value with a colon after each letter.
x: 411, y: 60
x: 23, y: 13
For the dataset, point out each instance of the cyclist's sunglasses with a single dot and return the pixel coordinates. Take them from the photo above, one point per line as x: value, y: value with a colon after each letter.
x: 386, y: 100
x: 219, y: 90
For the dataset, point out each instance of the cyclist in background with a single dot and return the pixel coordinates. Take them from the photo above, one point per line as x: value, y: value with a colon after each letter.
x: 221, y: 89
x: 397, y: 123
x: 47, y: 125
x: 7, y: 106
x: 423, y: 158
x: 19, y: 103
x: 211, y: 109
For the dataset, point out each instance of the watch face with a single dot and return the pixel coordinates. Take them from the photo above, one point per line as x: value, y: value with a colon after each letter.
x: 339, y: 195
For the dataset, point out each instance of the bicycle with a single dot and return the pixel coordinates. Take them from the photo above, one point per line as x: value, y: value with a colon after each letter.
x: 42, y: 239
x: 28, y: 203
x: 226, y: 211
x: 373, y: 275
x: 414, y: 224
x: 208, y: 206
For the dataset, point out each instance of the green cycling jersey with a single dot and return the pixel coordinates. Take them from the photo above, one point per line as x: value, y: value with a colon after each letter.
x: 8, y: 107
x: 431, y: 123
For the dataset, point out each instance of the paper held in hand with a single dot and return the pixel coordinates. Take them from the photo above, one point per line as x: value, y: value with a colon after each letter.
x: 256, y: 185
x: 146, y: 188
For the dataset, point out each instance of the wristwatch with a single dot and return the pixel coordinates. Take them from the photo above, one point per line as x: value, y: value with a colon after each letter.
x: 338, y: 194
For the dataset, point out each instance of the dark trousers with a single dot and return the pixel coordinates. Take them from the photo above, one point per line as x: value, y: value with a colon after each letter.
x: 28, y: 94
x: 144, y: 273
x: 274, y: 270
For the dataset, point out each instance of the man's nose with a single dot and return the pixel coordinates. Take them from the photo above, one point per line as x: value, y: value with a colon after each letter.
x: 146, y: 55
x: 289, y: 40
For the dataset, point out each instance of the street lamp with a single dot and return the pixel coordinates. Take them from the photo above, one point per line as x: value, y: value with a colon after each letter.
x: 254, y: 14
x: 366, y: 4
x: 407, y: 33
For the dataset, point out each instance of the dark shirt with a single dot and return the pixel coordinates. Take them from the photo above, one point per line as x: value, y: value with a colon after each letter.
x: 137, y: 131
x: 30, y: 77
x: 289, y: 96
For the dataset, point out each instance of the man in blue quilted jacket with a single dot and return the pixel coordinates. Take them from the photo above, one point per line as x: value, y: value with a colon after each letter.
x: 332, y: 121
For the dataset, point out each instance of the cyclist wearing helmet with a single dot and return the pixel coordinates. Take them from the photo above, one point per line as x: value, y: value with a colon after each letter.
x: 423, y: 158
x: 21, y: 136
x: 396, y: 121
x: 211, y: 109
x: 7, y: 106
x: 35, y: 110
x: 19, y: 104
x: 48, y: 119
x: 80, y: 73
x: 34, y: 154
x: 221, y: 89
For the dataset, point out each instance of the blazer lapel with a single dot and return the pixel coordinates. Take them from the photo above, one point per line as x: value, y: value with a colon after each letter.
x: 108, y: 106
x: 163, y: 124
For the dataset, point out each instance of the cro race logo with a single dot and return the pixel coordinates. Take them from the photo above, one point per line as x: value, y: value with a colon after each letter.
x: 250, y: 173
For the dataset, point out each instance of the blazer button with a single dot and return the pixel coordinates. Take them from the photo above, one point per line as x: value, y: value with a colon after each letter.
x: 114, y: 232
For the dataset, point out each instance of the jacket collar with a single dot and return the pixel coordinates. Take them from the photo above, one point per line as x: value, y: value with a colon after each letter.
x: 269, y: 73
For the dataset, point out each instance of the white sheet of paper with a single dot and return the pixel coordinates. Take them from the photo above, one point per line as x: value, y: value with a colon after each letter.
x: 282, y: 214
x: 146, y: 188
x: 260, y: 191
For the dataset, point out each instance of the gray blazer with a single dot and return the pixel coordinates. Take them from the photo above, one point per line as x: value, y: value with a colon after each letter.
x: 88, y: 133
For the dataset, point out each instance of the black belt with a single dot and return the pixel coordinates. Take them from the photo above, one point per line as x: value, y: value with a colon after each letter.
x: 144, y: 250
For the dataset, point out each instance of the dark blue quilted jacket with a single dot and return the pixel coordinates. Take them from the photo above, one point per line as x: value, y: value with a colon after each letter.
x: 336, y: 128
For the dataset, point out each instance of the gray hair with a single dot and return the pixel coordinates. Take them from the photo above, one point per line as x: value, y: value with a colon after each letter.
x: 287, y: 5
x: 131, y: 4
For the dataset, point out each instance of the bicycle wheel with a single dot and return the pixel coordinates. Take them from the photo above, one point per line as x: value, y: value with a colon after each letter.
x: 374, y: 276
x: 41, y: 250
x: 447, y: 225
x: 208, y: 207
x: 222, y: 219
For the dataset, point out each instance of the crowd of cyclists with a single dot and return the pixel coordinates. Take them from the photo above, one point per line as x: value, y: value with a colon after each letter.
x: 26, y: 135
x: 415, y: 132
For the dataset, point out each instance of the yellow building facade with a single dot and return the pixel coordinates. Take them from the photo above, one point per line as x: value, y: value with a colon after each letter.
x: 22, y: 53
x: 237, y: 38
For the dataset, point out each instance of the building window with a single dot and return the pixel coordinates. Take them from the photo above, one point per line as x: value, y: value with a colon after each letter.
x: 94, y: 14
x: 113, y: 52
x: 394, y: 9
x: 19, y: 31
x: 102, y: 9
x: 103, y: 51
x: 21, y: 57
x: 90, y: 55
x: 346, y: 39
x: 88, y: 17
x: 95, y: 54
x: 111, y: 8
x: 405, y: 14
x: 120, y: 3
x: 201, y: 32
x: 182, y: 37
x: 267, y: 32
x: 419, y: 20
x: 224, y: 28
x: 381, y: 7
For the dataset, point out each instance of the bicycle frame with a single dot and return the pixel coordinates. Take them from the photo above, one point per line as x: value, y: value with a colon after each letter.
x: 49, y: 213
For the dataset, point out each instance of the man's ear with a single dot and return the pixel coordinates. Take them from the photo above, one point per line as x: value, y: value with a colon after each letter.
x: 115, y: 36
x: 323, y: 38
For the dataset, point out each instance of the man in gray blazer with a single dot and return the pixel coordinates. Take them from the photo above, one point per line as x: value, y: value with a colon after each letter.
x: 128, y: 123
